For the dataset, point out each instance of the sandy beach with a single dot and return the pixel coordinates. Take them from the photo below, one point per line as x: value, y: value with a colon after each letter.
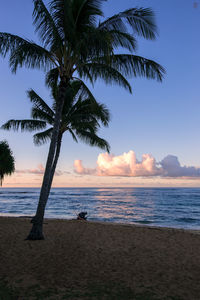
x: 156, y: 263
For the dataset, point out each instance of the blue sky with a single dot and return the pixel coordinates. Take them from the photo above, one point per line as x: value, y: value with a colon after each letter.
x: 160, y: 119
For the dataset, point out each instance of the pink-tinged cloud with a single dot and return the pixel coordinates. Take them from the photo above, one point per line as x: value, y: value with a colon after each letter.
x: 38, y: 171
x: 126, y: 165
x: 79, y: 169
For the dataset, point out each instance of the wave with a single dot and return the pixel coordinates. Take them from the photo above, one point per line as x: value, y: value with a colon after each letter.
x: 169, y: 207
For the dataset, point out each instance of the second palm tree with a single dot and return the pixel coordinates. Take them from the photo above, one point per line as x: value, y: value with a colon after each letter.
x: 81, y: 117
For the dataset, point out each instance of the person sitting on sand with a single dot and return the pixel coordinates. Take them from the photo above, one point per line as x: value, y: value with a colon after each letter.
x: 82, y: 215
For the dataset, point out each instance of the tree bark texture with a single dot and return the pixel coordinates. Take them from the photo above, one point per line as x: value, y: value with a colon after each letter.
x: 55, y: 161
x: 57, y: 154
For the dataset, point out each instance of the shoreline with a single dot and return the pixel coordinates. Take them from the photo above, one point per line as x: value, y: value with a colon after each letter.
x: 156, y: 208
x: 195, y: 231
x: 100, y: 187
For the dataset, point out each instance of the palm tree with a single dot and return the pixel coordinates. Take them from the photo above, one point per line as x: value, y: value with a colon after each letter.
x: 81, y: 117
x: 7, y: 161
x: 75, y: 43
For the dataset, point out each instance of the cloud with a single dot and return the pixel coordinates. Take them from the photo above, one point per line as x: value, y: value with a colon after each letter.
x: 126, y: 165
x: 79, y: 169
x: 172, y: 168
x: 38, y: 171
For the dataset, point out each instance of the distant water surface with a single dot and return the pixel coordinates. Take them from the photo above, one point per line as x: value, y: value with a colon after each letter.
x: 170, y: 207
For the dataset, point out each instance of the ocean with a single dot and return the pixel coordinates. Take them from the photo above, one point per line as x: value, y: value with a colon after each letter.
x: 164, y: 207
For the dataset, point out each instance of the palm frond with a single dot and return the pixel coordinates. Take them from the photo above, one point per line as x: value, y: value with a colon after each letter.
x: 79, y: 90
x: 62, y: 17
x: 108, y: 74
x: 84, y: 91
x: 94, y: 43
x: 85, y: 13
x: 45, y: 26
x: 87, y: 110
x: 76, y: 107
x: 123, y: 39
x: 24, y: 52
x: 141, y: 20
x: 84, y: 73
x: 39, y: 114
x: 32, y: 56
x: 133, y: 65
x: 51, y: 78
x: 39, y: 102
x: 101, y: 112
x: 42, y: 137
x: 73, y: 135
x: 93, y: 140
x: 25, y: 125
x: 87, y: 124
x: 10, y: 42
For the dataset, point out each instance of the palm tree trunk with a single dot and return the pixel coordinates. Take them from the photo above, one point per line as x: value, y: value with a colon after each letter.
x: 36, y: 232
x: 55, y: 160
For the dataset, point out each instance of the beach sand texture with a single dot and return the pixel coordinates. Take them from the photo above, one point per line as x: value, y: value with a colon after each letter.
x: 78, y: 254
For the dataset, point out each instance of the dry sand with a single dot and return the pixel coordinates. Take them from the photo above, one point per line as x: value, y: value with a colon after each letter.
x: 76, y: 254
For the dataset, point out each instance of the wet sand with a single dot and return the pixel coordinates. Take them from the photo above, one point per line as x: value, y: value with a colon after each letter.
x: 77, y: 254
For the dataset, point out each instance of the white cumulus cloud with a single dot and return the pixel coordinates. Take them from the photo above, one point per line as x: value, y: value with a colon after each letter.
x: 127, y: 165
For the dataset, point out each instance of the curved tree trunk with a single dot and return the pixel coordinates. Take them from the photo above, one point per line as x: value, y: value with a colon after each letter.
x: 55, y: 161
x: 36, y: 232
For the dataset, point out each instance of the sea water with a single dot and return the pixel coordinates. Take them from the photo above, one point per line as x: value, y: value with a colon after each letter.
x: 169, y: 207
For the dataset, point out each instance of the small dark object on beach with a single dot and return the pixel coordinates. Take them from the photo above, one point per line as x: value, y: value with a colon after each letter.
x: 82, y: 215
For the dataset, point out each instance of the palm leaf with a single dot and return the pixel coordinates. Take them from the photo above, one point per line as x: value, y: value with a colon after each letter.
x: 32, y: 56
x: 79, y: 91
x: 93, y: 140
x: 95, y: 43
x: 123, y: 39
x: 141, y: 21
x: 24, y: 125
x: 51, y: 78
x: 42, y: 137
x: 45, y: 25
x: 133, y: 65
x: 39, y: 114
x: 101, y: 113
x: 10, y: 42
x: 88, y: 123
x: 24, y: 52
x: 84, y: 73
x: 86, y: 12
x: 84, y: 91
x: 105, y: 72
x: 39, y: 102
x: 62, y: 17
x: 87, y: 110
x: 73, y: 135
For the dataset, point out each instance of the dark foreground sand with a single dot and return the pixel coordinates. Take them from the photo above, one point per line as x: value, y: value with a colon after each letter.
x: 78, y: 254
